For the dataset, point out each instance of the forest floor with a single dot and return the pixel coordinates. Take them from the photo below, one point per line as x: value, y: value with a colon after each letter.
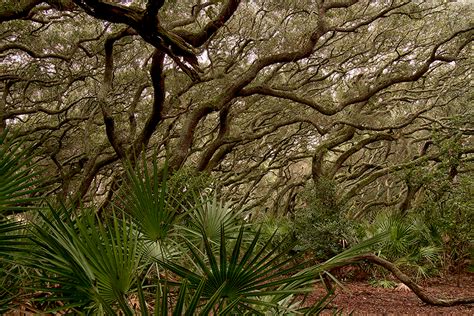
x: 361, y: 298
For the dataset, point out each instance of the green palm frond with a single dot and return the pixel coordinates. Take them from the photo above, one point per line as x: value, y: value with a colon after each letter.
x: 411, y: 242
x: 430, y: 253
x: 207, y: 217
x: 157, y: 250
x: 400, y: 234
x: 12, y: 236
x: 13, y: 243
x: 183, y: 301
x: 247, y: 274
x: 18, y: 178
x: 88, y: 264
x: 19, y: 188
x: 18, y: 183
x: 349, y: 254
x: 10, y: 284
x: 145, y: 197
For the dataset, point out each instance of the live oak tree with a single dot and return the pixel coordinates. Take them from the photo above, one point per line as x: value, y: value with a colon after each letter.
x: 264, y: 95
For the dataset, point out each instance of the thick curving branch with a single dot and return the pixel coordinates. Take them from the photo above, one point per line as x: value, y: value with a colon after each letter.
x: 199, y: 38
x: 335, y: 4
x: 217, y: 142
x: 17, y: 9
x: 317, y: 170
x: 295, y: 97
x: 356, y: 148
x: 418, y: 290
x: 106, y: 88
x: 156, y: 115
x: 147, y: 25
x: 111, y: 12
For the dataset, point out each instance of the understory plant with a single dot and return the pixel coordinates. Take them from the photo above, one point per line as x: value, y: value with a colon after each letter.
x: 321, y: 225
x: 20, y: 191
x: 278, y: 225
x: 412, y: 243
x: 244, y: 276
x: 153, y: 252
x: 445, y: 201
x: 450, y: 207
x: 85, y: 263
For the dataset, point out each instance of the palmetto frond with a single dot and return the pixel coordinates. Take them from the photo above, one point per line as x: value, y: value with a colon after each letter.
x: 18, y: 178
x: 19, y: 182
x: 243, y: 276
x: 89, y: 264
x: 207, y: 217
x: 145, y: 197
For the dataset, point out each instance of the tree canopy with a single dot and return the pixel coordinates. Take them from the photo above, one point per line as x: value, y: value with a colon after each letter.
x: 373, y: 96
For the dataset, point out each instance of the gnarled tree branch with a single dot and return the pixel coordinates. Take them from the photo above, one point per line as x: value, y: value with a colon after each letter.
x: 418, y: 290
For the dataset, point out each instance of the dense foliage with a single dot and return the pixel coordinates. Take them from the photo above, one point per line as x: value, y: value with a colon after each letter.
x: 263, y: 95
x: 322, y: 226
x: 182, y: 138
x: 144, y: 256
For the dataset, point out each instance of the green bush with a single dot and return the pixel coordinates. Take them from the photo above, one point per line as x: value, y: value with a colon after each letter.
x: 321, y: 226
x: 450, y: 207
x: 279, y: 226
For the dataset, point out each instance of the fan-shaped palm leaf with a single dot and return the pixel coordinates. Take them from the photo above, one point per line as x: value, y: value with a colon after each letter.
x: 246, y: 275
x: 207, y: 217
x: 18, y: 178
x: 90, y: 264
x: 19, y: 182
x: 187, y: 302
x: 145, y: 197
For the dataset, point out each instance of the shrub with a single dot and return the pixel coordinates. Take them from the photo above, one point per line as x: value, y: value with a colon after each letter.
x: 279, y: 226
x: 450, y: 208
x: 321, y: 225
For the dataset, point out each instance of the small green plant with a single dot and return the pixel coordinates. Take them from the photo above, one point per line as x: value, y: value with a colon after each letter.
x: 146, y: 198
x: 85, y: 263
x: 20, y: 192
x: 244, y: 276
x: 207, y: 216
x: 385, y: 284
x: 445, y: 202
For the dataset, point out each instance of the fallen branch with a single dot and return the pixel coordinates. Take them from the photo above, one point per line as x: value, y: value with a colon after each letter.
x: 418, y: 290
